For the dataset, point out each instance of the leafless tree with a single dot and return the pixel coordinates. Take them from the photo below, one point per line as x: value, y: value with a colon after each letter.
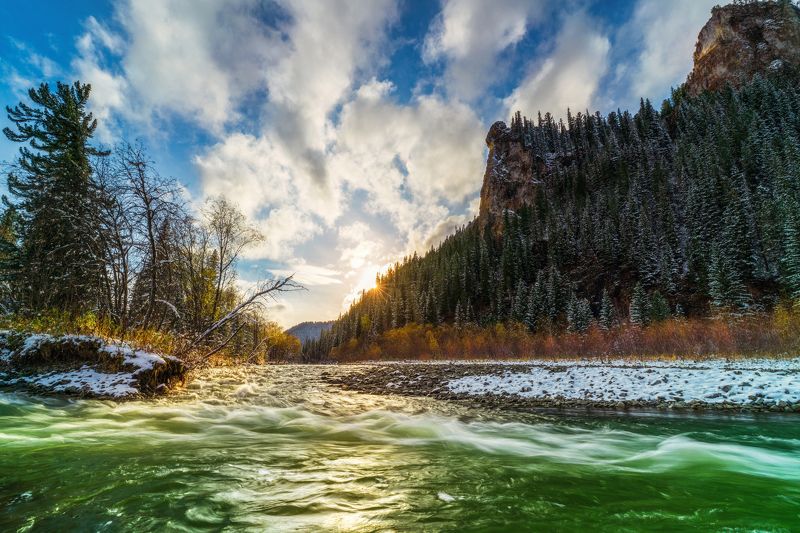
x: 258, y: 298
x: 230, y: 234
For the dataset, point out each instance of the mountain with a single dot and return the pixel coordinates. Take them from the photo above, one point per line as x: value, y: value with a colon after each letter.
x: 306, y: 331
x: 689, y: 210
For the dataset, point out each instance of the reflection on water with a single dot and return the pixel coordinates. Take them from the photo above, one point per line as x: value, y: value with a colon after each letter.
x: 276, y: 449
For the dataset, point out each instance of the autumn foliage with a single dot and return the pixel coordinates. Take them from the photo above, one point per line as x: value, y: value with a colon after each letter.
x: 774, y: 334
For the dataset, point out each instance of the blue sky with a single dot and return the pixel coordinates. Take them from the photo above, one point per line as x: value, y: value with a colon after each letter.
x: 351, y: 133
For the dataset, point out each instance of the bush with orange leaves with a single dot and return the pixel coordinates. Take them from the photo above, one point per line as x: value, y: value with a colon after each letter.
x: 775, y: 334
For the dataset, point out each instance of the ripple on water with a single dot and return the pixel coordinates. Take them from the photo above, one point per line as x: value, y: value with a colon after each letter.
x: 276, y: 448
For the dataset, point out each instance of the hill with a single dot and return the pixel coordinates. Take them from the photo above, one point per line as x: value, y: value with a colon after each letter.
x: 689, y: 210
x: 306, y: 331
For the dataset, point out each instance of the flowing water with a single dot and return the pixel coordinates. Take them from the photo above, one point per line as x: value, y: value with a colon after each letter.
x: 276, y: 449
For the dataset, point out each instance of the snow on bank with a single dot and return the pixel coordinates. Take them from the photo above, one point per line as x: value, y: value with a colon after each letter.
x: 128, y: 365
x: 740, y: 382
x: 85, y: 379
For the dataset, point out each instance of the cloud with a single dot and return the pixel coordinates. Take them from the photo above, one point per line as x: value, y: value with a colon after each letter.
x: 327, y: 44
x: 570, y: 76
x: 469, y: 34
x: 667, y: 38
x: 413, y: 159
x: 108, y: 90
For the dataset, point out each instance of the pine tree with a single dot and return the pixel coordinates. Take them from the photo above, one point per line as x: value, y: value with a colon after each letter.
x: 606, y: 318
x: 639, y: 306
x: 59, y: 254
x: 659, y: 307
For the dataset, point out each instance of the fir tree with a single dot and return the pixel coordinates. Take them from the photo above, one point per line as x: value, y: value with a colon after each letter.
x: 59, y: 255
x: 639, y: 306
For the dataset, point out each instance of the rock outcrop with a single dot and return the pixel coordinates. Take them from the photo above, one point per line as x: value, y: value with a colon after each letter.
x: 509, y: 181
x: 85, y: 366
x: 743, y: 39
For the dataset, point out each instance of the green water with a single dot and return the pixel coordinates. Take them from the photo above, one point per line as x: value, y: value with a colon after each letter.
x: 276, y: 449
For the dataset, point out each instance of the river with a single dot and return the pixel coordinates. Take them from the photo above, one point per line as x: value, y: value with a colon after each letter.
x: 276, y: 449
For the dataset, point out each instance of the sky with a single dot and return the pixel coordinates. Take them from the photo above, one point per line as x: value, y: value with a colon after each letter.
x: 350, y: 132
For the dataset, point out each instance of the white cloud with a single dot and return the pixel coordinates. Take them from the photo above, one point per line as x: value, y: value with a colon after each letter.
x: 570, y: 76
x: 668, y: 38
x: 194, y: 57
x: 410, y: 159
x: 108, y: 90
x: 469, y: 34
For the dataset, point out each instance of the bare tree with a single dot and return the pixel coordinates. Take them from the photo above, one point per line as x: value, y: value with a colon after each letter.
x: 152, y: 203
x: 230, y: 234
x: 258, y: 298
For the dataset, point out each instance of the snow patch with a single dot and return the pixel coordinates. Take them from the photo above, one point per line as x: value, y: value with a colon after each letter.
x: 713, y: 382
x: 85, y: 379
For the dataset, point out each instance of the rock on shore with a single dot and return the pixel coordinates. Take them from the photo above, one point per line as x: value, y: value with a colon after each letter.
x: 83, y: 365
x: 718, y: 384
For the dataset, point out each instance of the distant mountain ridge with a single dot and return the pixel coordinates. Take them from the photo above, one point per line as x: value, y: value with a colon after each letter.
x: 306, y: 331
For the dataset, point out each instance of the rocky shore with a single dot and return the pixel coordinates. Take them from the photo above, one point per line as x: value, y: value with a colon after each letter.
x: 84, y: 366
x: 747, y: 385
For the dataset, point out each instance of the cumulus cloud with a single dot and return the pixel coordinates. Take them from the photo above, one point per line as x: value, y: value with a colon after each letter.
x: 108, y: 89
x: 411, y: 159
x: 469, y: 34
x: 327, y: 44
x: 570, y: 76
x: 186, y: 56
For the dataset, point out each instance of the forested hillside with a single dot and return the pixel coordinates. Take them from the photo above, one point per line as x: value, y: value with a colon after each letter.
x: 308, y: 331
x: 690, y: 210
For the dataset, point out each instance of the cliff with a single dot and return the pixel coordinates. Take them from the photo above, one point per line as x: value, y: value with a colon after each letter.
x: 509, y: 181
x: 739, y: 41
x: 743, y: 39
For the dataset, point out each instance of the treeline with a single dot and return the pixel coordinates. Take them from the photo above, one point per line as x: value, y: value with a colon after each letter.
x: 93, y: 236
x: 687, y: 211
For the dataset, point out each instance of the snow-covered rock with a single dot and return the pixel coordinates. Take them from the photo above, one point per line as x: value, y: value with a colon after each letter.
x: 84, y: 365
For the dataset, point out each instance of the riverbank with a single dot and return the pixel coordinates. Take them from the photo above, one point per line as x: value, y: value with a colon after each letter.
x: 754, y: 385
x: 84, y: 366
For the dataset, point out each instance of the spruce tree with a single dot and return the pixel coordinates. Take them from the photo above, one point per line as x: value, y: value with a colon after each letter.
x: 659, y: 307
x: 59, y: 254
x: 606, y: 318
x: 639, y: 306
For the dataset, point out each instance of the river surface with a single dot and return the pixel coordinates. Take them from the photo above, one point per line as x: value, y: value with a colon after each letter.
x: 276, y: 449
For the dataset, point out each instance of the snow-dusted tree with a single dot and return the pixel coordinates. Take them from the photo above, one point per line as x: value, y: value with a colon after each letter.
x: 659, y: 307
x: 639, y: 306
x: 606, y: 318
x: 791, y: 254
x: 725, y: 286
x: 59, y: 251
x: 579, y: 314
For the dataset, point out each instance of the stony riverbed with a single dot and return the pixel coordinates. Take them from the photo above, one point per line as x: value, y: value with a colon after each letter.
x: 716, y: 384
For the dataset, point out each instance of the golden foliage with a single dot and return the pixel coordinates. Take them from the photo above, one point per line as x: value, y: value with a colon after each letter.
x: 767, y: 335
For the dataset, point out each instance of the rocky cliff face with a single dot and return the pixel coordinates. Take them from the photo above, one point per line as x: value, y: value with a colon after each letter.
x: 742, y: 39
x: 509, y: 181
x: 738, y: 41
